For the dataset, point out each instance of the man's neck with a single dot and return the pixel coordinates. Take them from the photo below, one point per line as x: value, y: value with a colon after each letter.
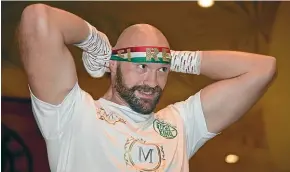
x: 113, y: 96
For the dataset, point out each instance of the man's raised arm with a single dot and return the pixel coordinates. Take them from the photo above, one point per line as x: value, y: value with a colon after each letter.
x: 43, y: 34
x: 243, y: 79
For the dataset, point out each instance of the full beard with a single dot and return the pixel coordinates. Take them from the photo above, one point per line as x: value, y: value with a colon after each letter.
x: 138, y: 104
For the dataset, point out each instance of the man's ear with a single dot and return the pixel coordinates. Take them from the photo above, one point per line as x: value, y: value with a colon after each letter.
x: 113, y: 67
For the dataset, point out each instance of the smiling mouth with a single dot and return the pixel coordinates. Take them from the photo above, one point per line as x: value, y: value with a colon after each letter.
x: 146, y: 95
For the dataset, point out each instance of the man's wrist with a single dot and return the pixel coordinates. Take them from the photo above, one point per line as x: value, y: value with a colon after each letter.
x: 84, y: 44
x: 186, y: 61
x: 96, y: 52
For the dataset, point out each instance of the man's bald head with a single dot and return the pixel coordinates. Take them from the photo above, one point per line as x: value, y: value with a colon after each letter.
x: 139, y: 84
x: 141, y: 35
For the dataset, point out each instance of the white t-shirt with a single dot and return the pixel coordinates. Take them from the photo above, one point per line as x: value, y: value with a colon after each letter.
x: 87, y: 135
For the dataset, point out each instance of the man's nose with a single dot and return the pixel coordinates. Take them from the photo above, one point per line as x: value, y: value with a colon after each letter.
x: 151, y: 79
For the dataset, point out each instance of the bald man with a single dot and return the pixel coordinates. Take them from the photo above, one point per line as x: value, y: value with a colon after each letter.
x: 120, y: 131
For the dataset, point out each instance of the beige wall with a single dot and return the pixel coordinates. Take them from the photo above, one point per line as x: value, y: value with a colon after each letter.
x: 276, y: 103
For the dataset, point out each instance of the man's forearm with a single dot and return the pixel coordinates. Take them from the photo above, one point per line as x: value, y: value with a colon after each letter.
x: 221, y: 65
x: 72, y: 28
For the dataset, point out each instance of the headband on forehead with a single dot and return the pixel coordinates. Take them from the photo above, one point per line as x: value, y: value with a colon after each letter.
x: 143, y: 54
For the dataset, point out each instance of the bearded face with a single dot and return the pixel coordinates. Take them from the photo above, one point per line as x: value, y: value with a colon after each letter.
x: 141, y: 98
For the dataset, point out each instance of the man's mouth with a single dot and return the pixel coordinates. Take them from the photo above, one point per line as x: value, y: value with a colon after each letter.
x: 146, y: 94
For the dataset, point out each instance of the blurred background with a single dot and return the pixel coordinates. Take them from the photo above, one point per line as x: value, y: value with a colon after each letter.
x: 259, y: 142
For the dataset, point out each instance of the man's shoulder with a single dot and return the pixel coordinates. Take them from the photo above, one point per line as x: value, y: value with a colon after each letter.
x: 88, y: 95
x: 168, y: 113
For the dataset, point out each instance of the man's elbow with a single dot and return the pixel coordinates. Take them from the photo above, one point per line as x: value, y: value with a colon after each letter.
x: 271, y: 67
x: 34, y: 20
x: 268, y: 68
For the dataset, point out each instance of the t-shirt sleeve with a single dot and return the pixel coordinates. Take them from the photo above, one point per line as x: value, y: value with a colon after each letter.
x: 52, y: 119
x: 195, y: 125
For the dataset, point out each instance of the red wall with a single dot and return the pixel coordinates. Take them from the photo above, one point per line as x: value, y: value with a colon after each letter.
x: 17, y: 115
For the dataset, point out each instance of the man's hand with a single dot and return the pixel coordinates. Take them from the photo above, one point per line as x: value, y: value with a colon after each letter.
x: 243, y: 77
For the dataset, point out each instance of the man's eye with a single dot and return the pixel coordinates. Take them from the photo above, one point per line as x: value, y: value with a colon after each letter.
x: 163, y: 69
x: 142, y: 66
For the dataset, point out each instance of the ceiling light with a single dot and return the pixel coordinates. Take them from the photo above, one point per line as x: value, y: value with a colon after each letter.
x: 205, y: 3
x: 231, y: 159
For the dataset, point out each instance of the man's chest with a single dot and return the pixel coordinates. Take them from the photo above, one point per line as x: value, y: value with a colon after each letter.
x: 109, y: 141
x: 152, y: 146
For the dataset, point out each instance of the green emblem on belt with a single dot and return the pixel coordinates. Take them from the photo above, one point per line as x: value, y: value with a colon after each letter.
x: 164, y: 129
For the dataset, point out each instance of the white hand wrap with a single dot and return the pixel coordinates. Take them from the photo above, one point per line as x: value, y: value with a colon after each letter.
x: 96, y: 52
x: 186, y: 61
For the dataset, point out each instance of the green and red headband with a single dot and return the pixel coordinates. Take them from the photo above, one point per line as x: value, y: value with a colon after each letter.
x: 144, y: 54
